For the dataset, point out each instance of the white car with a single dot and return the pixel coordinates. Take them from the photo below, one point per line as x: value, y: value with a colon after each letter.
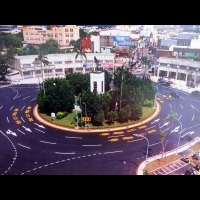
x: 15, y: 82
x: 139, y: 69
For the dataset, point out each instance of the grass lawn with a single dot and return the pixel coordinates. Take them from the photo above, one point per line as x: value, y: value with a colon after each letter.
x: 69, y: 119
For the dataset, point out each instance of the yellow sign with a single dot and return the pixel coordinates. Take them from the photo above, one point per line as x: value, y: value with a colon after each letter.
x: 28, y: 108
x: 86, y: 119
x: 16, y: 109
x: 27, y: 111
x: 131, y: 130
x: 30, y: 119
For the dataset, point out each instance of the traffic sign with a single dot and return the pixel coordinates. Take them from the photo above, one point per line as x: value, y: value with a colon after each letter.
x: 86, y: 119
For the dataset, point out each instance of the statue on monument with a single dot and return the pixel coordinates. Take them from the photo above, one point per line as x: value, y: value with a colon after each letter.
x: 97, y: 63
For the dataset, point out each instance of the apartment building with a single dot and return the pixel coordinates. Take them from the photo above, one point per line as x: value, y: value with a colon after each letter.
x: 60, y: 64
x: 36, y: 35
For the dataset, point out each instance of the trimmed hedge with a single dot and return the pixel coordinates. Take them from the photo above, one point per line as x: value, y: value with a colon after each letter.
x: 148, y: 103
x: 60, y: 115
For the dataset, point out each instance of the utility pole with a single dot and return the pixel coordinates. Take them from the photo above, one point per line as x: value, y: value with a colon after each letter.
x: 81, y: 110
x: 85, y: 114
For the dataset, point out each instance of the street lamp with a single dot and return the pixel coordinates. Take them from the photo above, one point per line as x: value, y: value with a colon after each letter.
x: 75, y: 106
x: 147, y: 149
x: 179, y: 139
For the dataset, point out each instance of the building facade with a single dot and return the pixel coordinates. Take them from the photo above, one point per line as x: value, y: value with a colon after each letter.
x: 61, y: 64
x: 179, y: 69
x: 36, y: 35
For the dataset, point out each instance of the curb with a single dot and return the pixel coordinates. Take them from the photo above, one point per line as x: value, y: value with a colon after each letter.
x: 51, y: 124
x: 180, y: 149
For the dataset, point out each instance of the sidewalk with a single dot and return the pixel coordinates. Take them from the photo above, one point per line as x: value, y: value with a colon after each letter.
x: 181, y: 151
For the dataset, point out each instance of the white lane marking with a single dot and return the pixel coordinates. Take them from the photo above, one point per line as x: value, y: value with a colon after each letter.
x: 7, y: 119
x: 170, y: 105
x: 17, y: 97
x: 192, y: 107
x: 166, y: 129
x: 115, y: 136
x: 16, y: 94
x: 47, y: 142
x: 192, y: 117
x: 26, y: 97
x: 165, y: 124
x: 113, y: 152
x: 149, y: 128
x: 180, y: 117
x: 155, y: 143
x: 134, y: 140
x: 181, y: 106
x: 167, y: 116
x: 22, y: 108
x: 21, y: 131
x: 64, y: 153
x: 196, y: 109
x: 22, y: 119
x: 91, y: 145
x: 33, y: 99
x: 39, y: 130
x: 187, y: 134
x: 39, y: 125
x: 1, y: 107
x: 182, y: 97
x: 74, y: 137
x: 24, y: 146
x: 11, y: 108
x: 155, y: 121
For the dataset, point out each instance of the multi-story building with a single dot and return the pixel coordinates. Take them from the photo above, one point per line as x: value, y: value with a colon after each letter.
x: 60, y: 64
x: 36, y: 35
x: 179, y: 69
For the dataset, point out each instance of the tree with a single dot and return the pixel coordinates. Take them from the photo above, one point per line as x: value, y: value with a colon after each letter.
x: 99, y: 117
x: 162, y: 138
x: 171, y: 118
x: 41, y: 60
x: 112, y: 116
x: 49, y: 47
x: 108, y: 79
x: 79, y: 81
x: 28, y: 50
x: 59, y: 96
x: 12, y: 41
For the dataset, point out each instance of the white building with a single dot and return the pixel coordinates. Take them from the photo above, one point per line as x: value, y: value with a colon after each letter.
x: 147, y: 30
x: 60, y: 64
x: 195, y: 42
x: 97, y: 82
x: 179, y: 69
x: 95, y: 40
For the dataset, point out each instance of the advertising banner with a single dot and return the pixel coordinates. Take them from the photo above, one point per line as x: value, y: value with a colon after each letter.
x: 121, y: 41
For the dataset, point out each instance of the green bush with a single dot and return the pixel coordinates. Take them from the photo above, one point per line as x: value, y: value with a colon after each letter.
x: 60, y: 115
x: 196, y: 93
x: 147, y: 103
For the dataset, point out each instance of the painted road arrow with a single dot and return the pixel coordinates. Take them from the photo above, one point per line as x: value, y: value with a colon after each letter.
x: 27, y: 129
x: 39, y: 125
x: 176, y: 129
x: 155, y: 121
x: 187, y: 134
x: 165, y: 124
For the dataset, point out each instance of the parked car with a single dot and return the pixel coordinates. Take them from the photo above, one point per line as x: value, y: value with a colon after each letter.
x: 196, y: 156
x: 139, y: 69
x: 15, y: 82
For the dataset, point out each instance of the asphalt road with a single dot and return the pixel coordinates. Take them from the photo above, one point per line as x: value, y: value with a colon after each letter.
x: 28, y: 147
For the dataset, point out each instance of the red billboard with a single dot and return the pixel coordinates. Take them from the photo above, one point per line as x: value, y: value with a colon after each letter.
x: 86, y: 44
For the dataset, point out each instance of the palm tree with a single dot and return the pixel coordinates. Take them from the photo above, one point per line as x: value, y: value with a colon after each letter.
x: 41, y: 60
x: 81, y: 53
x: 145, y: 62
x: 162, y: 138
x: 172, y: 116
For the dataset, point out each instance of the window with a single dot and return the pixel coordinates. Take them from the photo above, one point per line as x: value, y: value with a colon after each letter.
x: 66, y: 30
x: 71, y: 34
x: 95, y: 86
x: 67, y: 41
x: 59, y: 70
x: 68, y: 62
x: 26, y: 33
x: 67, y: 35
x: 101, y: 86
x: 90, y: 61
x: 78, y: 61
x: 58, y: 62
x: 71, y: 29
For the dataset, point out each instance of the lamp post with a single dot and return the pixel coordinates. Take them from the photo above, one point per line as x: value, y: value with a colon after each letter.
x: 85, y: 114
x: 75, y: 106
x: 147, y: 148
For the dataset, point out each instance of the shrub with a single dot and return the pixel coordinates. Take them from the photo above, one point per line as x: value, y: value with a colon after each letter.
x: 196, y: 93
x: 148, y: 103
x: 60, y: 115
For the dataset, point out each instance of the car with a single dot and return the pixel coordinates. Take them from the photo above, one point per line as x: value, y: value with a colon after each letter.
x: 196, y: 156
x: 15, y: 82
x: 139, y: 69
